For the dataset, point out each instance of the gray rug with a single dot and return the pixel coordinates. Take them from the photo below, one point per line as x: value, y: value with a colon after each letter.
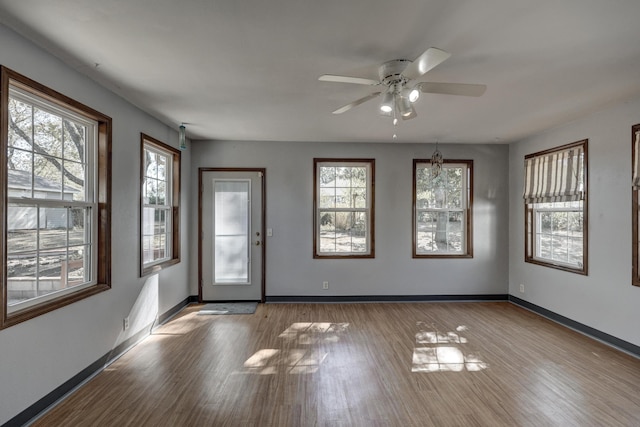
x: 229, y: 308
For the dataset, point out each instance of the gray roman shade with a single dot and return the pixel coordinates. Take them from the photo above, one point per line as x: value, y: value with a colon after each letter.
x: 554, y: 176
x: 636, y: 163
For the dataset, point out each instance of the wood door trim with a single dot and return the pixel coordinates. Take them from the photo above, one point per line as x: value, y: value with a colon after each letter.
x: 263, y: 214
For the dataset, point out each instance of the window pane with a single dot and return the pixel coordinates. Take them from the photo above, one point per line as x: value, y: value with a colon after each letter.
x: 22, y: 226
x: 231, y: 231
x: 77, y: 265
x: 560, y: 236
x: 575, y: 224
x: 545, y: 222
x: 441, y: 210
x: 78, y: 234
x: 343, y: 177
x: 231, y: 254
x: 359, y: 197
x: 162, y: 193
x: 327, y: 231
x: 576, y: 251
x: 342, y: 220
x: 162, y: 167
x: 21, y: 277
x: 74, y: 181
x: 343, y: 231
x: 74, y: 141
x: 152, y: 164
x: 327, y: 197
x: 160, y: 226
x: 147, y: 245
x: 48, y: 132
x: 20, y: 125
x: 159, y: 246
x: 343, y: 198
x: 47, y: 177
x: 152, y: 191
x: 19, y: 173
x: 440, y: 232
x: 358, y: 232
x: 327, y: 176
x: 425, y: 227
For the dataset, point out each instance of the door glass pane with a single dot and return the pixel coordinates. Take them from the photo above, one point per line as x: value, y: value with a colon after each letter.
x: 231, y: 231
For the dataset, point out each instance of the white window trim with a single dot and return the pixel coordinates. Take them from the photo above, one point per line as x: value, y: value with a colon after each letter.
x: 167, y: 207
x: 369, y: 165
x: 90, y: 183
x: 465, y: 209
x: 537, y: 213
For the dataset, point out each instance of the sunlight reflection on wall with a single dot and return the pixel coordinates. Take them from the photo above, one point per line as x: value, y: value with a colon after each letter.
x: 304, y: 360
x: 440, y: 352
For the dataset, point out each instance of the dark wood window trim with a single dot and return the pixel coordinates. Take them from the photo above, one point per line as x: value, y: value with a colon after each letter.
x: 635, y: 216
x: 175, y: 201
x: 529, y: 220
x: 103, y: 196
x: 468, y: 212
x: 371, y: 197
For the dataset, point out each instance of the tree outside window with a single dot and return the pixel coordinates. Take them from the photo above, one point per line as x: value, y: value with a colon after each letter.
x: 442, y: 209
x: 343, y: 215
x: 56, y: 163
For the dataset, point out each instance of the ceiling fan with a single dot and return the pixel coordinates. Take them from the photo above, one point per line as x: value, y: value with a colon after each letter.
x: 397, y: 86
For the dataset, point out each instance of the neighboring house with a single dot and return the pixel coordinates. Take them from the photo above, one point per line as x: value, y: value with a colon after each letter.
x: 26, y: 218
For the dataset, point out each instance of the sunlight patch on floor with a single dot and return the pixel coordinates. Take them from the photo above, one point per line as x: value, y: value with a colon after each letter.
x: 437, y: 351
x: 302, y: 360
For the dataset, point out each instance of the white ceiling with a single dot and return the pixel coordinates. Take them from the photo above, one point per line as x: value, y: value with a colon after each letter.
x: 248, y: 69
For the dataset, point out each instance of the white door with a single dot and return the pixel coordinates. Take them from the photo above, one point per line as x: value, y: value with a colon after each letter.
x: 231, y: 255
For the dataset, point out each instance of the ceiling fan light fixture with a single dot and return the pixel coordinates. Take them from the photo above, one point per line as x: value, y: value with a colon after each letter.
x: 387, y: 103
x: 404, y: 106
x: 414, y: 94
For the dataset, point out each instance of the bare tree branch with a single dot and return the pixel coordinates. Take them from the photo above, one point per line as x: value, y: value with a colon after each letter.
x: 38, y: 149
x: 76, y: 138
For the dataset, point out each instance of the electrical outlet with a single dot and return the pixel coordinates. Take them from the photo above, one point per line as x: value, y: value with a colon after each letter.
x: 325, y: 285
x: 125, y: 323
x: 522, y: 288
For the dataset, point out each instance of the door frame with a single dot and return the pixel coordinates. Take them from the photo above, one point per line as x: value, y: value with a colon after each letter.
x: 263, y: 211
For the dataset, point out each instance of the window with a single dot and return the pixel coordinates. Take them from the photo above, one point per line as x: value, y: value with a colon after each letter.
x: 635, y: 212
x: 555, y: 196
x: 442, y: 209
x: 343, y: 208
x: 55, y: 163
x: 159, y: 207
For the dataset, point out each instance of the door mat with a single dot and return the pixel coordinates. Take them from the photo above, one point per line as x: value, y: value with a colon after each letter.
x: 229, y: 308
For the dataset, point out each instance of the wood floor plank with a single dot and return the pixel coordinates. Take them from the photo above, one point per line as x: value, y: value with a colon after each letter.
x: 408, y: 364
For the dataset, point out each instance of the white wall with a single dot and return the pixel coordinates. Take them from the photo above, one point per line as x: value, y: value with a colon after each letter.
x: 291, y: 269
x: 42, y: 353
x: 605, y: 299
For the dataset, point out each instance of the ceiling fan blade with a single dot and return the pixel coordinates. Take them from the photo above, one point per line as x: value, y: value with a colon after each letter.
x: 463, y: 89
x: 356, y: 103
x: 347, y: 79
x: 431, y: 58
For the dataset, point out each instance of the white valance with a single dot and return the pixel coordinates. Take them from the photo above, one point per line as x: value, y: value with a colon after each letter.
x: 636, y: 163
x: 555, y: 177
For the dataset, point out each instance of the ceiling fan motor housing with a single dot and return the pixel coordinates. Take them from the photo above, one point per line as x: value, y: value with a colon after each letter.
x: 390, y: 72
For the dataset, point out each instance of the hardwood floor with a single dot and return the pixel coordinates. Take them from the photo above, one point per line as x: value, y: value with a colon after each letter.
x: 422, y: 364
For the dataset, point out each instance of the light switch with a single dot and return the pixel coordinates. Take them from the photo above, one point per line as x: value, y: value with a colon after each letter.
x: 269, y: 232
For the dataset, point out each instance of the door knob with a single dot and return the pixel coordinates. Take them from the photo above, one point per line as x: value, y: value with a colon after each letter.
x: 258, y: 243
